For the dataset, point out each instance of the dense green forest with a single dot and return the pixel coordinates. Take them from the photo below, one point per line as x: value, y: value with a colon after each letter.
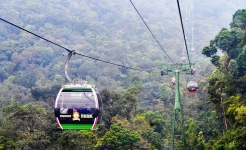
x: 137, y: 105
x: 226, y: 85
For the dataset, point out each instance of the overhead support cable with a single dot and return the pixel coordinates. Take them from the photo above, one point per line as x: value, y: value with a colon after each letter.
x: 180, y: 15
x: 70, y: 51
x: 110, y: 62
x: 35, y: 34
x: 192, y: 31
x: 151, y: 32
x: 115, y: 5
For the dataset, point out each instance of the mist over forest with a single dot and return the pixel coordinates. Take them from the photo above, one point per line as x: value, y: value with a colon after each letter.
x: 137, y: 102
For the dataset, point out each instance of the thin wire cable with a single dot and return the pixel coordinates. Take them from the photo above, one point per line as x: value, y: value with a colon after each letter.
x: 110, y: 62
x: 186, y: 24
x: 70, y: 51
x: 115, y: 5
x: 192, y: 31
x: 183, y: 33
x: 35, y: 34
x: 151, y: 32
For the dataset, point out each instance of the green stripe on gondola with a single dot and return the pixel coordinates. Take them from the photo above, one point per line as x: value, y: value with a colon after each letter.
x: 77, y: 90
x: 77, y: 126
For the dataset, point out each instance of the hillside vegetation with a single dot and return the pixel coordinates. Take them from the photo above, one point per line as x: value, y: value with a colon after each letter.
x: 138, y: 105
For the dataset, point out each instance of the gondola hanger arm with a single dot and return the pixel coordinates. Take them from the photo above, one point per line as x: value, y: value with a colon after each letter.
x: 66, y: 66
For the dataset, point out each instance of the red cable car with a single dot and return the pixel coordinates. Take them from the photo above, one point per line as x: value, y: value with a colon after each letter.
x: 173, y: 81
x: 192, y: 87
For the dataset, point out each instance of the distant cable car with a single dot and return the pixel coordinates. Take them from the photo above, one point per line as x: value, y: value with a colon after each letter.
x: 77, y: 107
x: 173, y: 81
x: 183, y: 59
x: 192, y: 87
x: 193, y: 49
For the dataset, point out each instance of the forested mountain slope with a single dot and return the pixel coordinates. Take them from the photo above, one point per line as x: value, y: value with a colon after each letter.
x: 226, y: 85
x: 138, y: 105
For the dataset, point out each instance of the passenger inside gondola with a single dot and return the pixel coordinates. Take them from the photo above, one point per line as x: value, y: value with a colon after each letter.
x: 88, y: 110
x: 80, y: 110
x: 74, y: 108
x: 84, y: 110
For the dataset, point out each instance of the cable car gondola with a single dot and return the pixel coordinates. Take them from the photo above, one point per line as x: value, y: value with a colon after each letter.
x: 192, y: 87
x: 183, y: 59
x: 77, y: 105
x: 173, y: 81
